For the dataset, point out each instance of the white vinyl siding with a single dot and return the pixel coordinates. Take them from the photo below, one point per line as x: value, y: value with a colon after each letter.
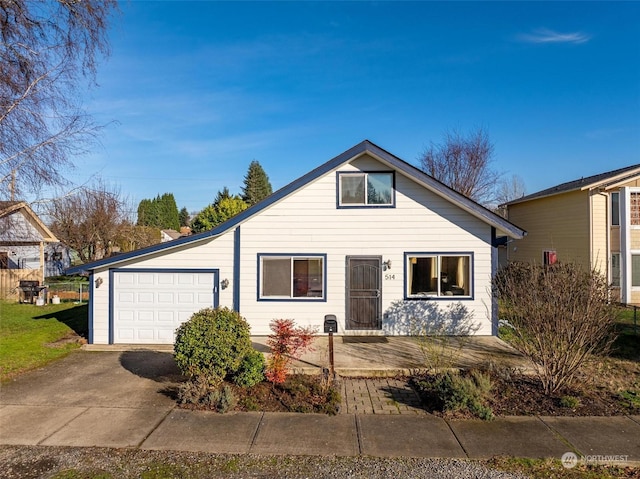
x: 308, y: 220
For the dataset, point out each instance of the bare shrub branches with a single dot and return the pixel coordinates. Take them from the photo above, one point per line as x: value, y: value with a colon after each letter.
x: 560, y: 316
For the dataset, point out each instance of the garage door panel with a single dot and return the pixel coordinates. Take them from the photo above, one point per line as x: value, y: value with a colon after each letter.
x: 166, y: 298
x: 165, y: 279
x: 146, y: 278
x: 166, y: 316
x: 125, y: 297
x: 146, y: 297
x: 149, y: 306
x: 125, y: 335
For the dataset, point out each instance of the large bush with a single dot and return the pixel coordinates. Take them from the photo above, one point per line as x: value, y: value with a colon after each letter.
x: 212, y: 344
x: 560, y: 317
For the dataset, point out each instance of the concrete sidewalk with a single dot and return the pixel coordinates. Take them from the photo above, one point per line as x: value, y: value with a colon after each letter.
x: 605, y: 439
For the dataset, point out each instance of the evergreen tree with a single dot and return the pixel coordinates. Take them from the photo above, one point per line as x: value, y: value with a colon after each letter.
x: 183, y: 216
x: 160, y: 212
x: 256, y: 184
x: 224, y: 207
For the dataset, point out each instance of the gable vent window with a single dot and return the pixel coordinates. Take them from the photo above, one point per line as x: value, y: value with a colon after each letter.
x: 362, y: 189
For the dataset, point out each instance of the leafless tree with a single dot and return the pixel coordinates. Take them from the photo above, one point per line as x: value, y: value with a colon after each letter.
x: 48, y: 49
x: 90, y: 221
x: 560, y: 317
x: 463, y: 162
x: 509, y: 189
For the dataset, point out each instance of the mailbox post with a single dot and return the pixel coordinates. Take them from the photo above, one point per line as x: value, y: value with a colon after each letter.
x: 331, y: 326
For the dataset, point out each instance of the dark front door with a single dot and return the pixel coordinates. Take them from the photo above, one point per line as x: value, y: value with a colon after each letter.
x: 364, y: 292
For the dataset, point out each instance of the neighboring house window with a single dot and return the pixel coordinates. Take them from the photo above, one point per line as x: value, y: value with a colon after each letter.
x: 615, y: 209
x: 285, y: 277
x: 4, y: 260
x: 430, y: 275
x: 635, y: 270
x: 549, y: 257
x: 365, y: 189
x: 635, y: 208
x: 615, y: 270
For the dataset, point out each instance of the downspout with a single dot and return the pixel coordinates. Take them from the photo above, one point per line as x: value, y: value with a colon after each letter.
x: 625, y: 242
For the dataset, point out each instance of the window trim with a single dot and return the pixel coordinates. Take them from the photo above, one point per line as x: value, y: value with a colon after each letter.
x: 292, y: 256
x: 632, y: 253
x: 611, y: 212
x: 340, y: 205
x: 439, y: 254
x: 619, y: 255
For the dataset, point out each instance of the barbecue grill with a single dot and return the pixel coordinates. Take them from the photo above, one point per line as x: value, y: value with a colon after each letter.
x: 30, y: 290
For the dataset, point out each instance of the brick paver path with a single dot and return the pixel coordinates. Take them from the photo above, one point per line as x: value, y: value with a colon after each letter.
x: 379, y: 396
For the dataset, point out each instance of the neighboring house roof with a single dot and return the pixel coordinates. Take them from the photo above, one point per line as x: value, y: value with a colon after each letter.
x: 605, y: 181
x: 366, y: 147
x: 31, y: 230
x: 172, y: 234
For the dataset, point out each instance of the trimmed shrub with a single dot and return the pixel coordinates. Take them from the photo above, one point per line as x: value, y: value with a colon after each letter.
x: 212, y: 344
x: 251, y: 370
x: 456, y: 392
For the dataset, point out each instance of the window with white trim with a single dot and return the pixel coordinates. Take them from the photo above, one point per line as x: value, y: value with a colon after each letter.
x: 291, y: 277
x: 431, y: 275
x: 365, y: 189
x: 615, y: 208
x: 615, y: 270
x: 635, y: 270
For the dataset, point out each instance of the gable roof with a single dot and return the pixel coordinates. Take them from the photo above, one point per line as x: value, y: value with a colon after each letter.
x: 365, y: 147
x: 603, y: 180
x: 8, y: 208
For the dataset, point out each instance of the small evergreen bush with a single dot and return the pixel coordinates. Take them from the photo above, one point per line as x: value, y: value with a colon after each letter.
x: 212, y: 344
x: 251, y: 370
x: 457, y: 392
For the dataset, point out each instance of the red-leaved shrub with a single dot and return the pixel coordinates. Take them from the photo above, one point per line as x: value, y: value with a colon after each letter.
x: 288, y: 342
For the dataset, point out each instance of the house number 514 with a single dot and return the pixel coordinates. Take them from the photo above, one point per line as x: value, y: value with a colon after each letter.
x: 389, y: 276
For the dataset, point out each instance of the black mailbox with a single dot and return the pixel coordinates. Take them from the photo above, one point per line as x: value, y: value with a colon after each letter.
x: 330, y: 323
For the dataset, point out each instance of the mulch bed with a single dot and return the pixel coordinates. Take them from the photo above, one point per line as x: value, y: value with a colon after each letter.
x: 523, y: 395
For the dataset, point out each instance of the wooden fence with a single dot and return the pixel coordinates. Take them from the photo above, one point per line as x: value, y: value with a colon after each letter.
x: 10, y: 279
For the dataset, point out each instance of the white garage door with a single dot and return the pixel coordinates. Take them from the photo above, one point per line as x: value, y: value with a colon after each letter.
x: 148, y: 306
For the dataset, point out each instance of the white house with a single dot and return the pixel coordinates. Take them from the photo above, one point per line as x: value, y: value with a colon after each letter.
x: 366, y: 237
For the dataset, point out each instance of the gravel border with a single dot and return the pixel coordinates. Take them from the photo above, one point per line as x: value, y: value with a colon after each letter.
x: 35, y: 462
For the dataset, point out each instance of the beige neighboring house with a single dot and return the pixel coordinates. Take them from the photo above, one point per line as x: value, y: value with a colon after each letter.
x: 23, y: 237
x: 593, y: 221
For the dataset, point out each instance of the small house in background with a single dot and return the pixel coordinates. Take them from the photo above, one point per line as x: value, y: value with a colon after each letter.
x: 23, y: 244
x: 592, y: 221
x: 365, y: 236
x: 169, y: 235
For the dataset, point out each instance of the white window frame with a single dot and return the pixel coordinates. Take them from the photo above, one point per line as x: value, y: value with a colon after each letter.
x: 365, y: 175
x: 619, y: 256
x: 292, y: 258
x: 439, y: 293
x: 615, y: 217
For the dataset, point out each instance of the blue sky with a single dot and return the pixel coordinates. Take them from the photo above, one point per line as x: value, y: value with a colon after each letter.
x: 197, y: 90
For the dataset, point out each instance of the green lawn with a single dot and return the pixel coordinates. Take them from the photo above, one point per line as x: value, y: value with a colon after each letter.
x: 32, y: 336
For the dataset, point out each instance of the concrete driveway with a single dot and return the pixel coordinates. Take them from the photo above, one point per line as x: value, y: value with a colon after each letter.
x: 138, y: 378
